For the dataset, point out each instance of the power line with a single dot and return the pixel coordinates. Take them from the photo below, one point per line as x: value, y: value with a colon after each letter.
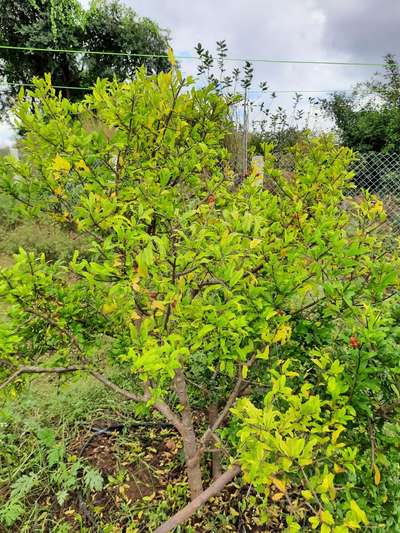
x: 52, y: 86
x: 183, y: 57
x: 253, y: 91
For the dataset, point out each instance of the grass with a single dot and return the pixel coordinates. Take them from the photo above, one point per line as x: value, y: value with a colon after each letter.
x: 73, y: 477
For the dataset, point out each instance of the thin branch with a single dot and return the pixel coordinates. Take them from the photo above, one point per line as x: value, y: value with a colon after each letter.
x: 236, y: 391
x: 110, y: 385
x: 38, y: 370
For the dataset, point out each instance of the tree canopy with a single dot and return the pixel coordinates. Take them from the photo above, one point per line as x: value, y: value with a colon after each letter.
x: 369, y: 118
x: 274, y: 310
x: 107, y: 25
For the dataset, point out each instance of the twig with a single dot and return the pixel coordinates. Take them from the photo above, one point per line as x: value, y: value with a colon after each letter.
x: 38, y: 370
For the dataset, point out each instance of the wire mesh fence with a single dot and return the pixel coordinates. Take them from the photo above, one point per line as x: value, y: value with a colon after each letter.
x: 379, y: 173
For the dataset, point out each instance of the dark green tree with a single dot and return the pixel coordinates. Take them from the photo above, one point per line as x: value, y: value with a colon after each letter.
x: 369, y: 119
x: 106, y: 25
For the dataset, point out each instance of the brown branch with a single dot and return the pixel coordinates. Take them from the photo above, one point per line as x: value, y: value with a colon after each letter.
x: 230, y: 401
x: 165, y: 410
x: 236, y: 392
x: 184, y: 514
x: 38, y: 370
x: 110, y: 385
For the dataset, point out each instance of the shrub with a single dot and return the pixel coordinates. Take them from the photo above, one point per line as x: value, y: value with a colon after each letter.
x: 40, y: 237
x: 270, y: 313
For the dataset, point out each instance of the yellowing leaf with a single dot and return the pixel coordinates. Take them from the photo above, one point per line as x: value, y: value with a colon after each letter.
x: 171, y: 57
x: 314, y: 521
x: 338, y: 469
x: 277, y: 496
x: 135, y: 284
x: 352, y: 524
x: 245, y: 370
x: 325, y: 529
x: 327, y: 518
x: 135, y: 316
x: 360, y: 514
x: 307, y: 494
x: 378, y: 207
x: 264, y: 354
x: 279, y: 484
x: 61, y: 165
x: 82, y: 166
x: 283, y: 334
x: 109, y: 308
x: 377, y: 475
x: 336, y: 433
x: 254, y: 243
x: 157, y: 305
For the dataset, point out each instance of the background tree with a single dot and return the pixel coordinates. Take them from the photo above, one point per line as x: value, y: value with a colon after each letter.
x: 65, y: 24
x: 369, y: 118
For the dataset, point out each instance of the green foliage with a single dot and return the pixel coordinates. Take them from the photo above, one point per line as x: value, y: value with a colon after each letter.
x: 287, y: 298
x: 369, y: 119
x: 45, y: 464
x: 65, y: 24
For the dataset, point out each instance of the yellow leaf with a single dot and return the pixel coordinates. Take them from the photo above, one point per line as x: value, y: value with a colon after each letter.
x: 245, y: 370
x: 338, y: 469
x: 254, y: 243
x: 135, y: 316
x: 264, y: 354
x: 277, y: 496
x: 279, y: 484
x: 360, y: 514
x: 58, y: 191
x: 378, y: 207
x: 61, y: 165
x: 314, y: 521
x: 352, y: 524
x: 283, y: 334
x: 135, y: 285
x: 171, y: 57
x: 377, y: 475
x: 325, y: 529
x: 307, y: 494
x: 327, y: 518
x: 109, y: 308
x: 82, y: 166
x: 336, y: 433
x: 157, y: 305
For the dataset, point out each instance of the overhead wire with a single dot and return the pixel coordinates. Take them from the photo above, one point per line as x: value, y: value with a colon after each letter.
x: 186, y: 57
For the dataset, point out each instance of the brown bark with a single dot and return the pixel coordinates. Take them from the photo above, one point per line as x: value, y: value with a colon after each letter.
x: 37, y: 370
x: 184, y: 514
x: 216, y: 455
x: 192, y: 457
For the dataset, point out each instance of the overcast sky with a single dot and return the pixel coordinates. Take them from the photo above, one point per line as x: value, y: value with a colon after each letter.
x: 338, y: 30
x: 333, y: 30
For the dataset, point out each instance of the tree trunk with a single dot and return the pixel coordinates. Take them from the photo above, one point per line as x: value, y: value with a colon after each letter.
x: 190, y: 447
x: 184, y: 514
x: 193, y: 465
x: 216, y: 456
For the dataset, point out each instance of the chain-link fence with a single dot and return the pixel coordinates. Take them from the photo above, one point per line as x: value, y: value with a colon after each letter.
x: 379, y: 173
